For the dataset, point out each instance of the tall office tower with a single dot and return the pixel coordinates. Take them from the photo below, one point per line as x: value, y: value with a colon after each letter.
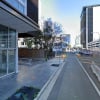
x: 86, y: 26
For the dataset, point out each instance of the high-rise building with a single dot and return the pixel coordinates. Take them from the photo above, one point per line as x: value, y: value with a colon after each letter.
x: 48, y: 27
x: 86, y: 25
x: 57, y: 28
x: 90, y: 22
x: 66, y: 38
x: 13, y: 21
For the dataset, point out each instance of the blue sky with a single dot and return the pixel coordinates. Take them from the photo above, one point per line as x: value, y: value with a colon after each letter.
x: 66, y: 12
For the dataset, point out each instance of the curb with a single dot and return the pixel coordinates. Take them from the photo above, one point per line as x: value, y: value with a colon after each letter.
x: 47, y: 88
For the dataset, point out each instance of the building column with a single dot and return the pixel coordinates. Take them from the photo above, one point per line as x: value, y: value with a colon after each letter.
x: 17, y: 52
x: 86, y: 28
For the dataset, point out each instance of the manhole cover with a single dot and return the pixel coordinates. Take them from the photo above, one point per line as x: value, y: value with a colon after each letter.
x: 55, y: 65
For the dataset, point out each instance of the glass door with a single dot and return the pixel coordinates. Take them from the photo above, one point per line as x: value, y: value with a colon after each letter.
x: 11, y: 60
x: 11, y: 50
x: 3, y: 62
x: 7, y: 50
x: 3, y: 50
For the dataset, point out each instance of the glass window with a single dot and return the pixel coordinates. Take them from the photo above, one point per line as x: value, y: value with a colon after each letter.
x: 22, y: 43
x: 18, y: 4
x: 3, y: 62
x: 21, y: 8
x: 12, y: 38
x: 23, y: 1
x: 7, y: 50
x: 11, y: 60
x: 13, y: 3
x: 3, y: 37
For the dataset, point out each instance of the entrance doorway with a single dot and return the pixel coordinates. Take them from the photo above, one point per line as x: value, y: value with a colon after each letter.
x: 7, y: 50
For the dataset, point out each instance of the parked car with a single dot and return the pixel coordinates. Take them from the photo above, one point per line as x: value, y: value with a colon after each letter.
x: 86, y: 52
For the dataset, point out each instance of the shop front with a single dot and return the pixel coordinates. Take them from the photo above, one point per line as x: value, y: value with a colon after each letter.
x: 8, y: 50
x: 12, y: 23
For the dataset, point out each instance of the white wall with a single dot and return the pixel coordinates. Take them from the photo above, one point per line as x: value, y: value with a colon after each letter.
x: 96, y: 23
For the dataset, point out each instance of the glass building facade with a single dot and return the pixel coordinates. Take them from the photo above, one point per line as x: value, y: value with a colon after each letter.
x: 13, y: 21
x: 8, y: 42
x: 20, y: 5
x: 7, y: 50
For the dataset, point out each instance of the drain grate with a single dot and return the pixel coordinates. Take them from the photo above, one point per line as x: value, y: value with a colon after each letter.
x: 55, y: 65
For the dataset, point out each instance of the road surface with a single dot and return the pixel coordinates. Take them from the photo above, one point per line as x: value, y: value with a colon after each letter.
x: 73, y: 83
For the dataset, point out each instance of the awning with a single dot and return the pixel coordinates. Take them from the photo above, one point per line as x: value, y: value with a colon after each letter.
x: 10, y: 17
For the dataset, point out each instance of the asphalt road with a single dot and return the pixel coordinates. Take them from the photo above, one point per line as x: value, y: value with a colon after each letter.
x: 73, y: 83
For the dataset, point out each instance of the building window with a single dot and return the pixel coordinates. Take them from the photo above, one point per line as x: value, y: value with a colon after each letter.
x: 23, y: 1
x: 7, y: 50
x: 13, y: 3
x: 11, y: 60
x: 3, y: 37
x: 12, y: 38
x: 21, y: 8
x: 18, y: 4
x: 22, y: 43
x: 3, y: 62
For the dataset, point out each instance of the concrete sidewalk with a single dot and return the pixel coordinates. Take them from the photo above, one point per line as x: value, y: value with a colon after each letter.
x: 35, y: 75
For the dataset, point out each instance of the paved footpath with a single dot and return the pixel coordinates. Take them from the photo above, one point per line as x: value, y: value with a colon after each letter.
x: 35, y: 75
x: 73, y: 83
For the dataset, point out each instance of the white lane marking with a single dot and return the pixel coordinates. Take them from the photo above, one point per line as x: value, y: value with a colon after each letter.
x: 94, y: 85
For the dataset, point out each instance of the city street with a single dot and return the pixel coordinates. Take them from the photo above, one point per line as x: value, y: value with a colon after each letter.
x: 73, y: 83
x: 51, y: 47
